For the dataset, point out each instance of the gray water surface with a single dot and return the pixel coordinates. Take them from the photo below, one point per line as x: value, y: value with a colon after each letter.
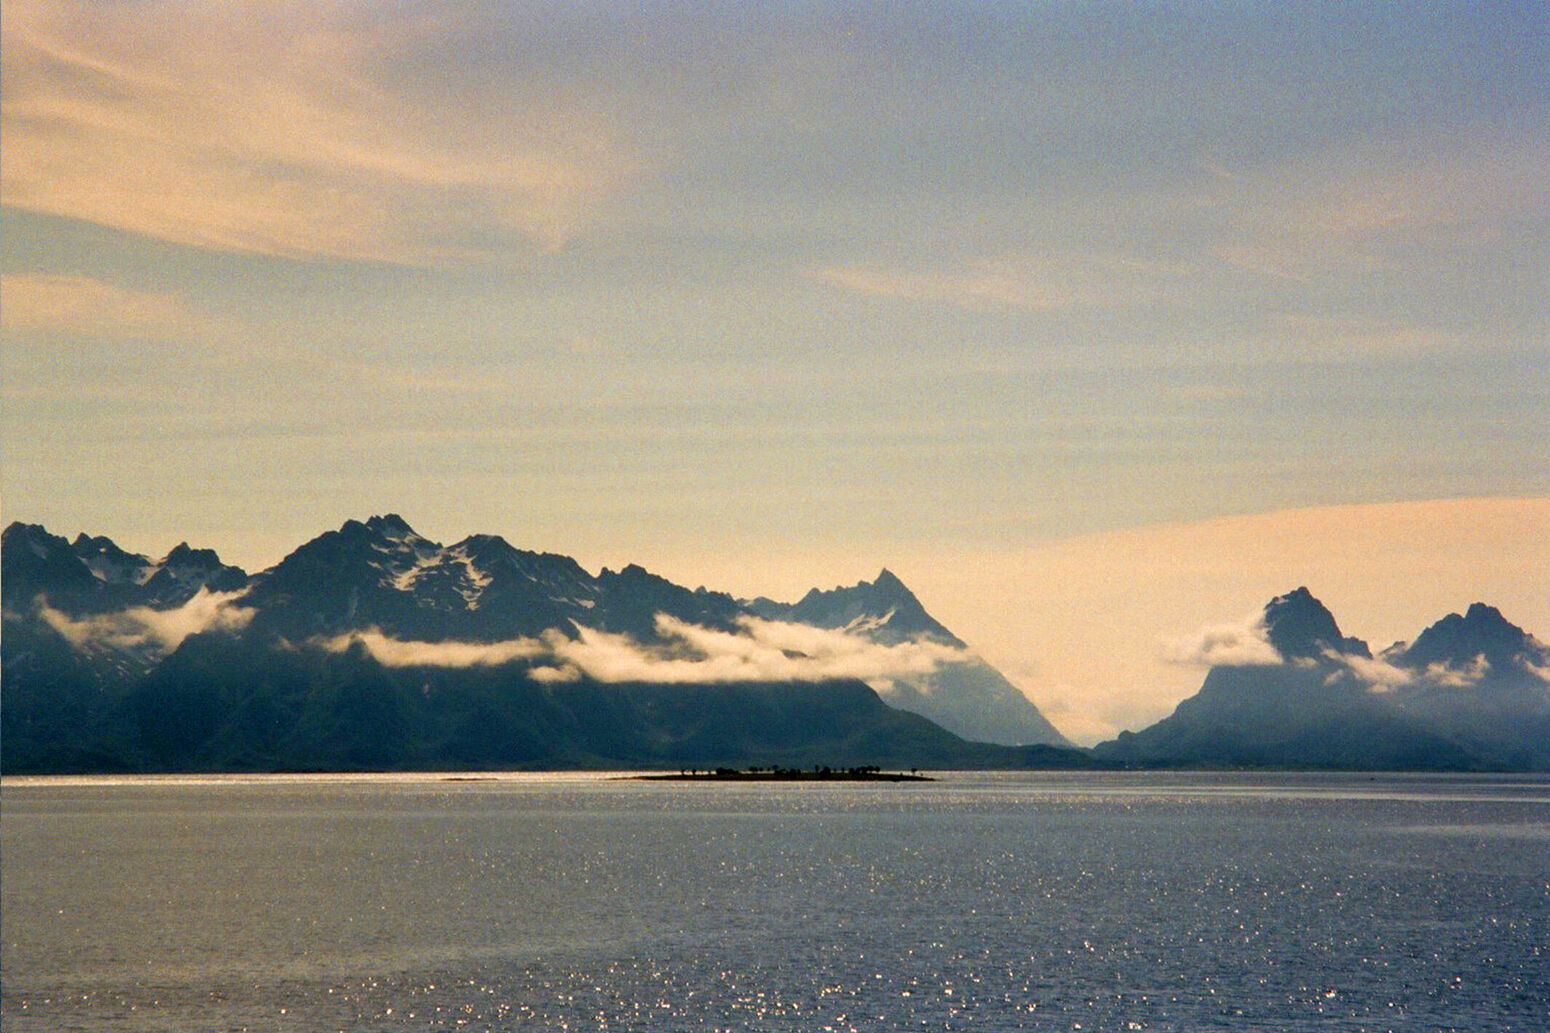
x: 984, y: 902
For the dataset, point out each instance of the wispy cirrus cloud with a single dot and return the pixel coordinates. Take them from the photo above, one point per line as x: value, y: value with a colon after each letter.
x: 156, y: 631
x: 1357, y: 210
x: 1016, y: 281
x: 1355, y: 338
x: 759, y: 650
x: 288, y: 129
x: 1053, y: 281
x: 982, y: 285
x: 84, y: 305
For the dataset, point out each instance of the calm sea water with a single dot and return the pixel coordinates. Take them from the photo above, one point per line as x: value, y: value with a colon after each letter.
x: 979, y: 902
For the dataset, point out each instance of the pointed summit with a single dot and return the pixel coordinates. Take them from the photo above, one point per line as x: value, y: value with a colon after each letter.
x: 885, y: 609
x: 32, y: 560
x: 111, y: 564
x: 1299, y: 626
x: 390, y: 525
x: 966, y: 696
x: 185, y: 570
x: 1457, y: 641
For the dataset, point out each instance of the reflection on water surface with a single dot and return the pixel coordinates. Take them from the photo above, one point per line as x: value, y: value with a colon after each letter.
x: 982, y: 901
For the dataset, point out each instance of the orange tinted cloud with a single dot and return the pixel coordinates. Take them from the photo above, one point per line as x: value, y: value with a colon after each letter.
x: 83, y: 305
x: 279, y: 129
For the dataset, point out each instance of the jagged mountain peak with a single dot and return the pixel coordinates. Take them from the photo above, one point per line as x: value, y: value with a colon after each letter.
x: 192, y: 567
x: 21, y: 532
x: 380, y: 552
x: 31, y: 559
x: 492, y: 552
x: 391, y: 525
x: 1432, y: 705
x: 479, y: 543
x: 379, y: 573
x: 110, y: 563
x: 883, y: 608
x: 967, y: 695
x: 634, y: 597
x: 183, y: 554
x: 1459, y: 640
x: 1299, y: 626
x: 885, y: 589
x: 94, y: 543
x: 638, y: 582
x: 93, y: 572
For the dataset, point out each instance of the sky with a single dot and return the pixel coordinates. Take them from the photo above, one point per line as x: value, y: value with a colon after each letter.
x: 1094, y: 322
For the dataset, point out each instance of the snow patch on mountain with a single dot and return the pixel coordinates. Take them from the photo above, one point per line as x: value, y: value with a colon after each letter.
x: 869, y: 622
x: 474, y: 581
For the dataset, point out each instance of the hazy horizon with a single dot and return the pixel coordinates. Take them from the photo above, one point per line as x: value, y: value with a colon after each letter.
x: 1107, y: 618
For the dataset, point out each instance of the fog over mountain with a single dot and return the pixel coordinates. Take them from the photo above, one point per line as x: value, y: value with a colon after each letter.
x: 1472, y: 692
x: 962, y: 693
x: 141, y: 662
x: 372, y: 646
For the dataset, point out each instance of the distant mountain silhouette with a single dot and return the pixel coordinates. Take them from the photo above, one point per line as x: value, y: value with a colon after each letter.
x: 884, y: 609
x: 371, y: 646
x: 1299, y: 626
x: 967, y: 696
x: 95, y: 575
x: 1470, y: 694
x: 1460, y: 641
x: 115, y: 661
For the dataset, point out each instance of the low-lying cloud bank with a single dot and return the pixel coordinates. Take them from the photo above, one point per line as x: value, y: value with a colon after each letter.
x: 1381, y: 676
x: 760, y: 650
x: 158, y: 632
x: 1244, y: 643
x: 393, y: 652
x: 1375, y: 672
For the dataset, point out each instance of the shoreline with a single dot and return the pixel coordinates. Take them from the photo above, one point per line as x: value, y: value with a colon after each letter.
x: 782, y: 775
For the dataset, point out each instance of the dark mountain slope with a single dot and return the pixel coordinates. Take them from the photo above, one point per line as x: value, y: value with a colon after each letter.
x: 107, y: 679
x: 1470, y: 694
x: 967, y: 696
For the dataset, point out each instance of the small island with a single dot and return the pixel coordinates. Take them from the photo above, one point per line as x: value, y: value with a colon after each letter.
x: 868, y: 773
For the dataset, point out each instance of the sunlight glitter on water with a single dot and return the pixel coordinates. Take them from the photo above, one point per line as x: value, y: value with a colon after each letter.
x: 990, y: 902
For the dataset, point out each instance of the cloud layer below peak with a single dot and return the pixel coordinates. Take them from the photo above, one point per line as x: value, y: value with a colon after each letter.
x: 1244, y: 643
x: 759, y: 650
x: 158, y: 632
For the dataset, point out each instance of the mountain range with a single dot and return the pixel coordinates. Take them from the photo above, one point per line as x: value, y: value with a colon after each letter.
x: 372, y: 646
x: 1472, y: 692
